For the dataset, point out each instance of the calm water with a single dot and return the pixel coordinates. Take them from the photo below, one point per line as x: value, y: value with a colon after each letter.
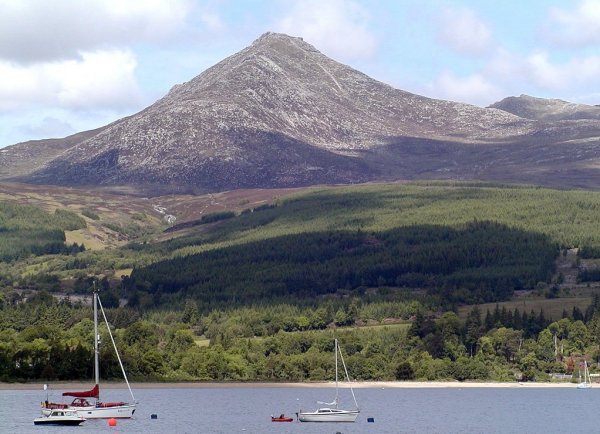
x: 248, y: 410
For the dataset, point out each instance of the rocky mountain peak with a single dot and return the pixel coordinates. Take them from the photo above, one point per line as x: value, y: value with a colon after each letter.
x: 280, y: 113
x: 270, y: 54
x: 274, y: 40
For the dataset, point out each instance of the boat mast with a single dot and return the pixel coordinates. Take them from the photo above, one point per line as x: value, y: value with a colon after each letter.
x: 588, y: 379
x: 96, y: 337
x: 336, y: 373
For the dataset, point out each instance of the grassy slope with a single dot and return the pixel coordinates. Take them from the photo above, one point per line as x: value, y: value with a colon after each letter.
x: 568, y: 217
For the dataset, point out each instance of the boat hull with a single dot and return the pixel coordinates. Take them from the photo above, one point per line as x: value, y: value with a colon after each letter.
x: 93, y: 412
x: 330, y: 416
x: 60, y: 417
x: 51, y: 421
x: 118, y: 412
x: 282, y: 419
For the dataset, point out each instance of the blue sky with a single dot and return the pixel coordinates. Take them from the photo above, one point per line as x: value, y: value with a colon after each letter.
x: 70, y: 65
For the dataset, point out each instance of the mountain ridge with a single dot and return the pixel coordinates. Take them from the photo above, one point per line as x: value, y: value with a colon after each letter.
x: 281, y: 114
x: 542, y: 109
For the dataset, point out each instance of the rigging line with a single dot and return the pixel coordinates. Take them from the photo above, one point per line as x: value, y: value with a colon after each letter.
x: 346, y: 371
x: 116, y: 351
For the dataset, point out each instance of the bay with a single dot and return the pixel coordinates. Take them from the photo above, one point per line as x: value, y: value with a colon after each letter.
x: 394, y: 410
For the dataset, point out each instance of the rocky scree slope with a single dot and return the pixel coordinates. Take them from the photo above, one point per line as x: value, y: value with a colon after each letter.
x: 280, y: 113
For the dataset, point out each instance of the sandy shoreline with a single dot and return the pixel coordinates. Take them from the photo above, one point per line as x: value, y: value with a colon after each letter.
x: 62, y: 386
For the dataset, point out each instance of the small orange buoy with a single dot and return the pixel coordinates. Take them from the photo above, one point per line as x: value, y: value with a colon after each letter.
x: 112, y: 422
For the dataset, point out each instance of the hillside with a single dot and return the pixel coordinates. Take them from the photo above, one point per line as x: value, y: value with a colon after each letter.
x: 206, y: 303
x: 281, y: 114
x: 27, y: 157
x: 550, y: 110
x: 292, y: 244
x: 302, y: 242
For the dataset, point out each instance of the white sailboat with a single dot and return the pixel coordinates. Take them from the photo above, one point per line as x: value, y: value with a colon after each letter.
x: 587, y: 381
x: 332, y: 413
x: 96, y: 409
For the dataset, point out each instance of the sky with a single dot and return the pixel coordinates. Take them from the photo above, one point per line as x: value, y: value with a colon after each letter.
x: 72, y: 65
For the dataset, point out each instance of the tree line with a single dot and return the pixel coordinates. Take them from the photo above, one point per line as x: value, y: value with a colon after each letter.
x: 43, y: 339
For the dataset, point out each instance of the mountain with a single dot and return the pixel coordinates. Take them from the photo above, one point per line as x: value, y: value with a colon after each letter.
x: 542, y: 109
x: 27, y: 157
x: 279, y: 114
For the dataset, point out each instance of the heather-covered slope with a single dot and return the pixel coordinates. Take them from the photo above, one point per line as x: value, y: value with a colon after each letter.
x: 280, y: 113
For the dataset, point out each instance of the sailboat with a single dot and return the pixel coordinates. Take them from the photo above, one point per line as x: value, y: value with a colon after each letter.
x: 587, y: 381
x: 96, y: 409
x: 332, y: 413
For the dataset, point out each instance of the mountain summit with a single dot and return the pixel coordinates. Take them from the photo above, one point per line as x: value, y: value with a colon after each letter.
x: 546, y: 109
x: 280, y: 113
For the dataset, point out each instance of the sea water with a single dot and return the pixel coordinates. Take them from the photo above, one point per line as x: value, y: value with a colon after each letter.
x: 231, y: 410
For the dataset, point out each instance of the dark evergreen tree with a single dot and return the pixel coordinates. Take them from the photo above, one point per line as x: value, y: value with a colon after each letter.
x: 405, y: 371
x: 489, y: 321
x: 497, y: 317
x: 422, y: 326
x: 473, y: 329
x: 517, y: 320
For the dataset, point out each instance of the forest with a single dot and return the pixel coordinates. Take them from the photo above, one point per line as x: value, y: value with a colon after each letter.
x: 260, y: 294
x: 50, y: 340
x: 29, y: 231
x: 474, y: 263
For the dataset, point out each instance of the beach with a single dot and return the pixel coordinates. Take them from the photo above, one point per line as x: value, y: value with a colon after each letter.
x: 61, y: 386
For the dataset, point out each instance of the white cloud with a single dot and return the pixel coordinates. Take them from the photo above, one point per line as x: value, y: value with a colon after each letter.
x: 42, y: 30
x: 463, y: 31
x: 212, y: 21
x: 339, y: 28
x: 504, y: 66
x: 537, y: 74
x: 591, y: 98
x: 575, y: 73
x: 102, y: 79
x: 579, y: 26
x: 48, y: 127
x: 43, y: 123
x: 474, y: 89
